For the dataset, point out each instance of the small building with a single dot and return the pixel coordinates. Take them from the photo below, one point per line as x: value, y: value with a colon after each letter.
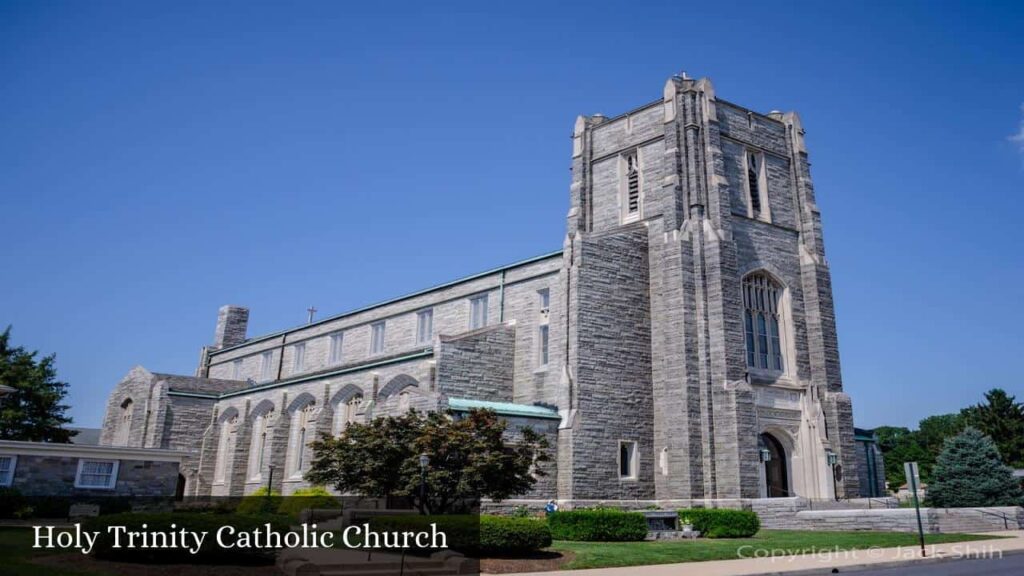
x: 44, y: 469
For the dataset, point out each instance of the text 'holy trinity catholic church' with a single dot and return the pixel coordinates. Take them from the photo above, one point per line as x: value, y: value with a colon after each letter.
x: 681, y: 345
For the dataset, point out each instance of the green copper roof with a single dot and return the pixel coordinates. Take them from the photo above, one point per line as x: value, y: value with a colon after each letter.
x: 503, y: 408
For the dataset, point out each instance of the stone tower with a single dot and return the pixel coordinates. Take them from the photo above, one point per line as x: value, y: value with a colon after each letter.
x: 701, y: 352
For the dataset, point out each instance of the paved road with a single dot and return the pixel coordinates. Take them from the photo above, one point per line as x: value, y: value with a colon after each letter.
x: 1008, y: 565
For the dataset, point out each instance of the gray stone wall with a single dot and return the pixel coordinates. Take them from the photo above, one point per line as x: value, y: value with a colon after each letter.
x: 55, y: 476
x: 613, y: 381
x: 479, y: 364
x: 232, y: 323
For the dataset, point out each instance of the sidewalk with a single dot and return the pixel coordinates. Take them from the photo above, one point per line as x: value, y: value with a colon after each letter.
x: 821, y: 562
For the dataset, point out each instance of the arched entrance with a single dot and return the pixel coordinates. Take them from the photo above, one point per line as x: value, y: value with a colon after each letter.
x: 776, y: 473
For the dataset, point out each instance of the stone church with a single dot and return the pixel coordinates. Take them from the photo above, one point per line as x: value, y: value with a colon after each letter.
x: 680, y: 346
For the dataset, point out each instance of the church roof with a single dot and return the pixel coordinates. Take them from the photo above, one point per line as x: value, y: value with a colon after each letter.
x: 180, y: 383
x: 503, y: 408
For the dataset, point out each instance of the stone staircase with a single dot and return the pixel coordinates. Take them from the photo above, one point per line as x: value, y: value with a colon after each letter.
x: 345, y: 562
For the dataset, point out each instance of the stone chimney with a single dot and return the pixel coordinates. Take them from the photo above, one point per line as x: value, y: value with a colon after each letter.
x: 232, y: 323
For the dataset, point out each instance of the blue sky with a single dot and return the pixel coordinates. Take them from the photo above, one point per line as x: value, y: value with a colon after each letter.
x: 158, y: 160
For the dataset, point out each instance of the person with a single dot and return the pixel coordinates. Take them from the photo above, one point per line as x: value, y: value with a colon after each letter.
x: 551, y: 508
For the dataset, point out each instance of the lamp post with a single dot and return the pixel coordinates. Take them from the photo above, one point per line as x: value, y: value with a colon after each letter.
x: 424, y: 461
x: 832, y: 458
x: 270, y: 479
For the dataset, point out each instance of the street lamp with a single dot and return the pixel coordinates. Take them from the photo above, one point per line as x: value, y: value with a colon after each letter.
x: 270, y: 479
x: 832, y: 458
x: 424, y: 461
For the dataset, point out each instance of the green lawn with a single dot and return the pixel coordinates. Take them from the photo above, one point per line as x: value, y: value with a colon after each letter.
x: 606, y: 554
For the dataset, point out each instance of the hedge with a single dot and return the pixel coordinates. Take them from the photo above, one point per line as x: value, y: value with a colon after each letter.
x: 722, y: 522
x: 306, y: 499
x: 602, y: 525
x: 475, y: 535
x: 210, y: 553
x: 506, y: 535
x: 261, y: 501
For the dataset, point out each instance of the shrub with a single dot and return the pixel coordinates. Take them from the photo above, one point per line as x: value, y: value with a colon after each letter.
x: 305, y: 499
x: 504, y: 535
x: 11, y: 501
x: 722, y: 522
x: 598, y: 525
x: 261, y: 501
x: 475, y: 535
x: 969, y: 472
x: 210, y: 553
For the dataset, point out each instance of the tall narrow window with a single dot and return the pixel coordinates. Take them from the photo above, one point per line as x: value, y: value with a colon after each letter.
x: 478, y: 312
x: 425, y: 326
x: 236, y: 369
x: 299, y: 357
x: 377, y: 338
x: 258, y: 448
x: 225, y: 446
x: 337, y: 340
x: 627, y: 460
x: 757, y: 188
x: 266, y: 365
x: 543, y: 331
x: 543, y: 335
x: 631, y: 185
x: 302, y: 420
x: 761, y: 319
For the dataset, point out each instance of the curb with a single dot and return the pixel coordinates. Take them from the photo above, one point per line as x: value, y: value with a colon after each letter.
x: 880, y: 565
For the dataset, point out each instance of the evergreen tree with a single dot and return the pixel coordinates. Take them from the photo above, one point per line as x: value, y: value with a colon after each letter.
x: 1002, y: 418
x: 969, y: 472
x: 34, y: 411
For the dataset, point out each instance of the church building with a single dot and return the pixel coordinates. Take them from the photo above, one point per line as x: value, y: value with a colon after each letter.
x: 680, y: 346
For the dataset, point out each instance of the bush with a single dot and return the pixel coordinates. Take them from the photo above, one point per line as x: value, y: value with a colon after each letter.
x: 600, y: 525
x: 210, y: 553
x: 721, y: 522
x: 305, y: 499
x: 259, y: 502
x: 11, y: 501
x: 475, y: 535
x: 504, y: 535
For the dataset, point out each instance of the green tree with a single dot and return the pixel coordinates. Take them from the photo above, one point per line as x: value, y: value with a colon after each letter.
x: 469, y: 458
x: 35, y: 410
x: 969, y: 472
x: 1002, y: 418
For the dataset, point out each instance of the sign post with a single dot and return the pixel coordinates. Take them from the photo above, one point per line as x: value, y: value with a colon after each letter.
x: 913, y: 481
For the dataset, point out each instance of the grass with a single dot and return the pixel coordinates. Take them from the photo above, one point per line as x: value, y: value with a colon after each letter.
x: 608, y: 554
x: 16, y: 551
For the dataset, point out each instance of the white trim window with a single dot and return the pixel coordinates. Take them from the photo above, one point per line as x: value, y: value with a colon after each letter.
x: 629, y: 460
x: 757, y: 186
x: 298, y: 357
x: 425, y: 326
x: 478, y: 312
x: 225, y: 445
x: 8, y: 463
x: 266, y: 365
x: 377, y: 337
x: 96, y: 474
x: 337, y: 342
x: 631, y: 186
x: 762, y: 323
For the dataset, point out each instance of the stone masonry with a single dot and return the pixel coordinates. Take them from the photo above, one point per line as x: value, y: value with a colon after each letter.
x: 680, y: 347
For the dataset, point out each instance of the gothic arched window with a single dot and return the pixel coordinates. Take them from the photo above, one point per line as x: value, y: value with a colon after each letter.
x: 762, y: 321
x: 258, y: 448
x: 347, y: 413
x: 225, y: 446
x: 631, y: 185
x: 303, y: 434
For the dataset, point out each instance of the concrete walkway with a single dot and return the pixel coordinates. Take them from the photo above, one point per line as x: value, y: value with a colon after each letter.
x: 822, y: 562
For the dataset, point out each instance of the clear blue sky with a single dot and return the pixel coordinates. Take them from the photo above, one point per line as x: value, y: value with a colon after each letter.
x: 158, y: 160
